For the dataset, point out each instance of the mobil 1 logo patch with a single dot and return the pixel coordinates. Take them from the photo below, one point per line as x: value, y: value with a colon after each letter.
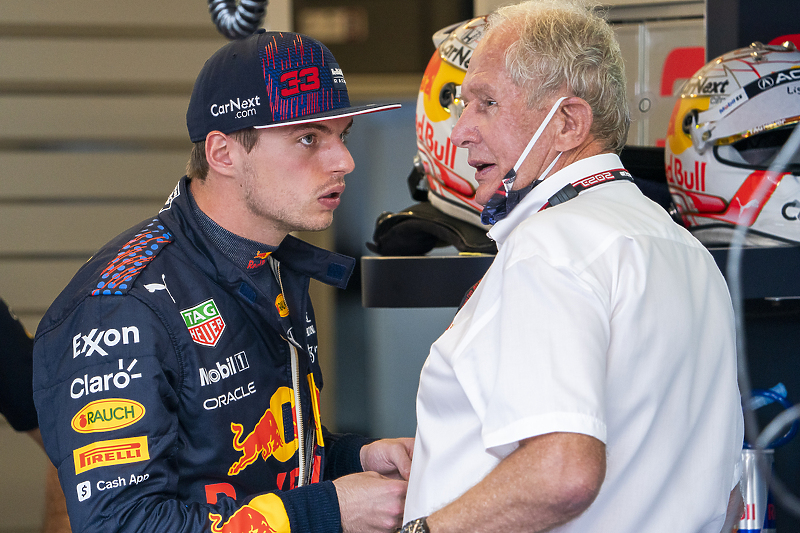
x: 205, y: 323
x: 232, y: 365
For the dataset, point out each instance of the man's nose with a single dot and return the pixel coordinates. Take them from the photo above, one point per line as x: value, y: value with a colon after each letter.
x: 464, y: 132
x: 344, y: 160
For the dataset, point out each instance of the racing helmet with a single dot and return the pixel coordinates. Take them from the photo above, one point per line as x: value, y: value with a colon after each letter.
x: 450, y: 180
x: 731, y: 120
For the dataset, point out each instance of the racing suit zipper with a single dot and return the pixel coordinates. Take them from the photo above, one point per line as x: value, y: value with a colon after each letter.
x: 298, y: 411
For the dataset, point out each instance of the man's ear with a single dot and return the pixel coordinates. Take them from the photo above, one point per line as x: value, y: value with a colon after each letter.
x: 218, y: 153
x: 576, y: 121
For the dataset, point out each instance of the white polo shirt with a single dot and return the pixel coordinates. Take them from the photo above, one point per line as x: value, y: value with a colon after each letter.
x: 598, y: 316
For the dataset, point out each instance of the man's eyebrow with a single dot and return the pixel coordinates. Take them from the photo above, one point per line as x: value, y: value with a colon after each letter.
x: 319, y: 126
x: 479, y: 88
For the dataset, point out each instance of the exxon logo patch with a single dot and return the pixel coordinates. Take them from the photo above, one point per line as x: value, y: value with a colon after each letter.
x: 204, y: 322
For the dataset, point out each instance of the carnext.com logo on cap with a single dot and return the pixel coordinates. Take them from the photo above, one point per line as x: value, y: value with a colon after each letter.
x: 338, y: 79
x: 242, y: 108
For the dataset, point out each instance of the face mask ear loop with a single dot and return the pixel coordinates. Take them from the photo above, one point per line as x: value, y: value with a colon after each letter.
x: 511, y: 176
x: 549, y: 168
x: 538, y: 133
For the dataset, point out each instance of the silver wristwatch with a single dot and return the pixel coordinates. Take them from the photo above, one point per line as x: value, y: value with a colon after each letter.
x: 420, y: 525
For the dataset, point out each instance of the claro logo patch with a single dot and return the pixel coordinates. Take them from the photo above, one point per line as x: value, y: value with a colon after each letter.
x: 107, y: 415
x: 204, y: 322
x: 110, y: 452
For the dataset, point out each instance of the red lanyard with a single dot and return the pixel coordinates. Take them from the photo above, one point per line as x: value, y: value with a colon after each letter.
x: 571, y: 190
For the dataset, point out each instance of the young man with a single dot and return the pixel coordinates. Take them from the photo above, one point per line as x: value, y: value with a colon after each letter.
x: 589, y: 383
x: 177, y: 376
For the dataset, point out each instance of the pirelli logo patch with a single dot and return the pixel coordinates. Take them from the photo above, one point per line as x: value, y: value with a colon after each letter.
x: 110, y: 452
x: 204, y: 322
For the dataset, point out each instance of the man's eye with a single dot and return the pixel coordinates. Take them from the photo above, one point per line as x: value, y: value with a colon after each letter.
x: 344, y: 135
x: 490, y: 103
x: 307, y: 140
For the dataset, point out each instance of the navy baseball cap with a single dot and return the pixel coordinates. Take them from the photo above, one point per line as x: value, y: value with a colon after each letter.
x: 266, y: 80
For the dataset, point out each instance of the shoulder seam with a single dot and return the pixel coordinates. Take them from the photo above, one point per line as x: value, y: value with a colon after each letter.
x: 119, y: 275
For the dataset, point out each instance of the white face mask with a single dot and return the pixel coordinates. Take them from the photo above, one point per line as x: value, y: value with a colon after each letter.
x: 508, y: 180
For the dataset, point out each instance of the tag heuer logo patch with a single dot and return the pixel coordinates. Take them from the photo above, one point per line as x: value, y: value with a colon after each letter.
x: 204, y: 322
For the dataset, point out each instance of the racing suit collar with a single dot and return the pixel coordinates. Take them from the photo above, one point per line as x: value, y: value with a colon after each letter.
x: 328, y: 267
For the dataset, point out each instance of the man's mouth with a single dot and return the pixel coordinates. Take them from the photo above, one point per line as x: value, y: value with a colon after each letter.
x: 481, y: 168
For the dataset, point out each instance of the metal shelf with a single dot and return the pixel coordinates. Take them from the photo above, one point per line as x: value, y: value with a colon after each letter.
x: 442, y: 281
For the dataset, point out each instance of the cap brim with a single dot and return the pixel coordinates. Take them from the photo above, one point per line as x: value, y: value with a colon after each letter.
x: 332, y: 114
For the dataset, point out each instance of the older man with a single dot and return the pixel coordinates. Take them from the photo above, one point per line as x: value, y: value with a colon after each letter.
x: 589, y: 383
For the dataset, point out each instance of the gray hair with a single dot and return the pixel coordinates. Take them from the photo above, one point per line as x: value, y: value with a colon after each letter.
x: 564, y: 43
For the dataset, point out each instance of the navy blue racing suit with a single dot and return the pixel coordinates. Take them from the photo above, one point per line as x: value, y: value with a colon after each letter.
x: 176, y: 389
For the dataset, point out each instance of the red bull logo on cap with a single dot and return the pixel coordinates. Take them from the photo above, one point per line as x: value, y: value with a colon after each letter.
x: 204, y: 322
x: 269, y: 437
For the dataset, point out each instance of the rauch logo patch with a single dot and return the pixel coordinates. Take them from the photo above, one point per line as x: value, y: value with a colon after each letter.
x: 204, y: 322
x: 107, y: 415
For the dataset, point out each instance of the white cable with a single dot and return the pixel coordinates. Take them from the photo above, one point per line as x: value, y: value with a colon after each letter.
x: 782, y: 495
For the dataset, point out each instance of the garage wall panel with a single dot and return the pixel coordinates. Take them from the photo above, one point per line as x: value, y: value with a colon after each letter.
x: 98, y: 118
x: 123, y: 64
x: 61, y: 175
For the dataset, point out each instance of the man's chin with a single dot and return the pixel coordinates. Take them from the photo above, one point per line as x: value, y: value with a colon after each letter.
x: 483, y: 197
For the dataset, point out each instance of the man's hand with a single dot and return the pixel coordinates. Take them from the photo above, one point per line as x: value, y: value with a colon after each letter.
x: 370, y: 502
x: 389, y: 457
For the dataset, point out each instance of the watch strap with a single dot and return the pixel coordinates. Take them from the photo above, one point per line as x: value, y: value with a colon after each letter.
x: 419, y: 525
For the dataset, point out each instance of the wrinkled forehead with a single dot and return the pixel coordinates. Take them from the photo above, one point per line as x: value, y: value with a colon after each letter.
x: 488, y: 64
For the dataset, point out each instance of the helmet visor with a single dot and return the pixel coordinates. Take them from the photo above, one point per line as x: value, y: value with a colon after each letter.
x: 758, y: 151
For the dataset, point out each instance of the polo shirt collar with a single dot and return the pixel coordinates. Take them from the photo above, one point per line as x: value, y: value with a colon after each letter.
x: 540, y: 194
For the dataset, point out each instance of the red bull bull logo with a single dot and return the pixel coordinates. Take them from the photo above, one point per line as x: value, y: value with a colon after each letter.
x: 244, y: 520
x: 264, y: 514
x: 268, y: 437
x: 258, y: 260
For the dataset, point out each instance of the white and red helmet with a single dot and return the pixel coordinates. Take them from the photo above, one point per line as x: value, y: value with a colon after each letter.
x: 732, y: 118
x: 450, y: 180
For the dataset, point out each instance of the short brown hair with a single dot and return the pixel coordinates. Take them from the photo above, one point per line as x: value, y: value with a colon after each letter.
x: 197, y: 167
